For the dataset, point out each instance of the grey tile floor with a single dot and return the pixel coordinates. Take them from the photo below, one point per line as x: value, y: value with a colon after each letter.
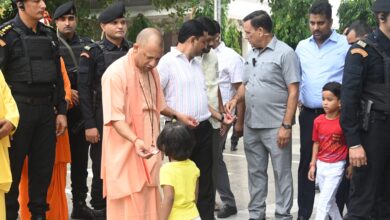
x: 237, y: 168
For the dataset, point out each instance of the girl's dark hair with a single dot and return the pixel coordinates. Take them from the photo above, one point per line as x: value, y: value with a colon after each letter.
x: 176, y: 140
x: 333, y: 87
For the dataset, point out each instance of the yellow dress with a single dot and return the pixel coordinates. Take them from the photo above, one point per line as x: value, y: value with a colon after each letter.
x: 8, y: 111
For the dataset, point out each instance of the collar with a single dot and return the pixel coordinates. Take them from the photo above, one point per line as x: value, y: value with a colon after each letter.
x: 110, y: 46
x: 220, y: 47
x: 19, y: 23
x: 271, y: 45
x: 177, y: 53
x: 333, y: 37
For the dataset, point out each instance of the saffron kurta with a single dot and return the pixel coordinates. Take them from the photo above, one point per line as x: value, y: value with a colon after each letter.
x: 8, y: 111
x: 56, y: 197
x: 130, y: 183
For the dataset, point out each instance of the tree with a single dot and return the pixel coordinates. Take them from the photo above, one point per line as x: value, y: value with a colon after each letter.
x: 290, y: 19
x: 352, y: 10
x: 195, y: 8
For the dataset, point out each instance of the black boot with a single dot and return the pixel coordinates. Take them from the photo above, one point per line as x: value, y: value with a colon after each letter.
x: 82, y: 211
x: 100, y: 214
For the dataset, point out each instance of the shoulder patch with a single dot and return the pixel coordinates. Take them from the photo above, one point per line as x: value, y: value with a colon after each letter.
x: 85, y: 54
x: 359, y: 51
x: 361, y: 43
x: 5, y: 29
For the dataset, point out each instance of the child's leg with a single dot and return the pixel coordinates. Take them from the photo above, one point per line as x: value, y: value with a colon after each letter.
x: 329, y: 176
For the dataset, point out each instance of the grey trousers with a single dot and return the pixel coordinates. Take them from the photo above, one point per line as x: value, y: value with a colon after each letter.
x: 258, y: 144
x: 220, y: 171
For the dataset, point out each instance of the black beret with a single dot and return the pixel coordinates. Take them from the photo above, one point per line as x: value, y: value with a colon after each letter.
x: 112, y: 12
x: 381, y: 6
x: 65, y: 9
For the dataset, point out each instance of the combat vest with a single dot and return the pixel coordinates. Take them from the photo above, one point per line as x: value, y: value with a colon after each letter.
x: 379, y: 93
x: 72, y: 63
x: 110, y: 56
x: 36, y: 62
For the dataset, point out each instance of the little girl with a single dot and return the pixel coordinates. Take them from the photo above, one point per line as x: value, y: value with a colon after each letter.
x: 329, y: 152
x: 178, y: 178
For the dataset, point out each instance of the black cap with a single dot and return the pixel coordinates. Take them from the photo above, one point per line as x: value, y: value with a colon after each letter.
x: 381, y: 6
x: 112, y: 12
x: 65, y: 9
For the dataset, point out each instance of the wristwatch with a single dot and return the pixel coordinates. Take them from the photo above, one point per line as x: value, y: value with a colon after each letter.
x: 286, y: 126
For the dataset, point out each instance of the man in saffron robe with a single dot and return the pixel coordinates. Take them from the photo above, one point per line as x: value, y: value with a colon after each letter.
x: 132, y: 101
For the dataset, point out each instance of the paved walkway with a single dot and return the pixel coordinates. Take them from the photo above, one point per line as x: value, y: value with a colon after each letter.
x: 237, y: 167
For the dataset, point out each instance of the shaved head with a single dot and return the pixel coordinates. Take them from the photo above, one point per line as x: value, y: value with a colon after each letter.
x: 148, y: 49
x: 150, y: 36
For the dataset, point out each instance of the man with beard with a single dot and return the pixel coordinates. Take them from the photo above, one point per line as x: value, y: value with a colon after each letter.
x: 94, y: 61
x: 321, y: 59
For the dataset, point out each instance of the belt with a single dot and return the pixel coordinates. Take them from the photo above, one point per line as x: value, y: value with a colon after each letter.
x: 34, y: 100
x: 317, y: 111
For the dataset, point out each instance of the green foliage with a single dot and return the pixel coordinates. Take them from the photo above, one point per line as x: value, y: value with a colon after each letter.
x: 352, y: 10
x: 140, y: 22
x: 290, y: 19
x: 181, y: 8
x: 6, y: 11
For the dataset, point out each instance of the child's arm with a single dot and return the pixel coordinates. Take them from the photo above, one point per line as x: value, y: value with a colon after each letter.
x: 196, y: 190
x: 167, y: 202
x: 312, y: 170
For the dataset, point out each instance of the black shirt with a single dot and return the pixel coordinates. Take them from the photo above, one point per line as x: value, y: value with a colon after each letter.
x: 91, y: 68
x: 7, y: 52
x: 363, y: 65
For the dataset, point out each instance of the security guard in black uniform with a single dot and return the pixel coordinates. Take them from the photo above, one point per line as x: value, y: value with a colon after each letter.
x: 29, y: 59
x: 365, y: 119
x: 94, y: 60
x: 71, y: 45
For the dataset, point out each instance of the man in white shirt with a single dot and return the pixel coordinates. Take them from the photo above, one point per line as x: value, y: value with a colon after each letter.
x: 184, y: 88
x: 230, y: 68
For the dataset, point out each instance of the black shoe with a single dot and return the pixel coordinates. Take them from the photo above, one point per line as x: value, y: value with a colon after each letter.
x: 302, y: 218
x: 82, y: 211
x: 38, y: 217
x: 233, y: 148
x: 227, y: 211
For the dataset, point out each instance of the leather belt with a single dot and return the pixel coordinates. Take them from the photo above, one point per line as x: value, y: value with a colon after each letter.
x: 317, y: 111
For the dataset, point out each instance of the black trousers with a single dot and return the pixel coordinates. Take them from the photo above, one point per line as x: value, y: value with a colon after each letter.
x: 306, y: 188
x: 79, y: 152
x: 343, y: 192
x: 370, y: 185
x: 202, y: 156
x: 35, y: 137
x: 97, y: 201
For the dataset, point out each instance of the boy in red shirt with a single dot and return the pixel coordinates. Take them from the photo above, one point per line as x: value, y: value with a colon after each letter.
x: 329, y: 152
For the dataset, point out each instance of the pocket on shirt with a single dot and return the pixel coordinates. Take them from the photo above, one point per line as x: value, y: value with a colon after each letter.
x: 268, y: 72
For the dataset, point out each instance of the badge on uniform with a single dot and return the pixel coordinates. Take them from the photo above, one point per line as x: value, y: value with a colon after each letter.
x: 359, y: 51
x: 2, y: 43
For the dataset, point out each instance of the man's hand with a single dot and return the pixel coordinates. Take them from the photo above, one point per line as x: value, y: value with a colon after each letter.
x: 61, y: 124
x: 187, y: 120
x: 92, y: 135
x: 75, y: 97
x: 228, y: 119
x: 357, y: 157
x: 5, y: 128
x: 142, y: 150
x: 311, y: 175
x: 238, y: 129
x: 284, y: 137
x: 230, y: 106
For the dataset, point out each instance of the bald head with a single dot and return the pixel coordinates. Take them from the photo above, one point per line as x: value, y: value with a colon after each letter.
x: 148, y: 49
x: 150, y: 36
